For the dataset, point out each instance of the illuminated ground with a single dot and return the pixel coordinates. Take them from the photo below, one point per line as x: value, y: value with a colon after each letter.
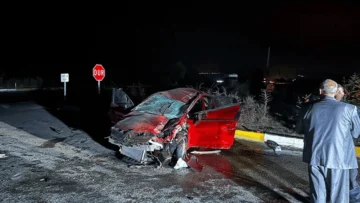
x: 50, y: 162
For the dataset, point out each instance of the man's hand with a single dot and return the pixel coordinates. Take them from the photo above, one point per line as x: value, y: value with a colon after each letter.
x: 355, y: 128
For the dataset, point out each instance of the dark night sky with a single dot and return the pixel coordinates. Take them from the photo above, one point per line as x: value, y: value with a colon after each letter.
x: 144, y: 38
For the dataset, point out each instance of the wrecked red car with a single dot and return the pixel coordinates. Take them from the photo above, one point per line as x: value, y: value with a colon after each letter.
x: 169, y: 123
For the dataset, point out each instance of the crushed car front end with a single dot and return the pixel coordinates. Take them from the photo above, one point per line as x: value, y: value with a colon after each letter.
x: 137, y: 146
x: 149, y: 132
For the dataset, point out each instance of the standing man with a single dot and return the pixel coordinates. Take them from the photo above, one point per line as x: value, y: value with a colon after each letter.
x: 329, y: 127
x: 354, y: 186
x: 340, y: 93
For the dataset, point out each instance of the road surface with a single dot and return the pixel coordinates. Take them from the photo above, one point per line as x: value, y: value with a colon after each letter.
x: 49, y: 161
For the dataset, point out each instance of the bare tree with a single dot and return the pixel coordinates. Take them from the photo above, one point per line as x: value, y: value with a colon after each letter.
x: 266, y: 99
x: 352, y: 86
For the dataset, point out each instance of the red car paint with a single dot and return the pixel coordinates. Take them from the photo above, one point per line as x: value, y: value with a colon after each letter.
x: 142, y: 122
x: 211, y: 134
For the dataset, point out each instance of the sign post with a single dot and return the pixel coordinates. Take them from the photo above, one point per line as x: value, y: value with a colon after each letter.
x: 64, y: 78
x: 98, y: 87
x: 99, y: 74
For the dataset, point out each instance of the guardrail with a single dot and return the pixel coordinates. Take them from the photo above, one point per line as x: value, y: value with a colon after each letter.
x: 18, y: 89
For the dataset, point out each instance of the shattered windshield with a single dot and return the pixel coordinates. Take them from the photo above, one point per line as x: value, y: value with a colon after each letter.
x: 160, y: 105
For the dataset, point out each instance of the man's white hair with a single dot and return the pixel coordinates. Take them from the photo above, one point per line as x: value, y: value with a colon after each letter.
x: 329, y: 86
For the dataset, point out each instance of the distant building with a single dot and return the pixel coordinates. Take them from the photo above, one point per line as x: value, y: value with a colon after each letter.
x: 285, y: 72
x: 232, y: 80
x: 228, y: 79
x: 214, y: 77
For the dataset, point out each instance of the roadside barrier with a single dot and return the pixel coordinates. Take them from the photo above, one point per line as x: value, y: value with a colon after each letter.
x: 280, y: 139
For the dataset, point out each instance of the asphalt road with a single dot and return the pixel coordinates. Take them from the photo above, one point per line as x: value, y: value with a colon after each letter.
x: 50, y: 159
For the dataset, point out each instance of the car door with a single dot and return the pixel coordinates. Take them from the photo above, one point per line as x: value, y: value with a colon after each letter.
x: 214, y: 128
x: 120, y: 105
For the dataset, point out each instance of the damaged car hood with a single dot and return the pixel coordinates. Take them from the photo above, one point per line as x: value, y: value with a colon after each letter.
x: 142, y: 122
x: 154, y: 112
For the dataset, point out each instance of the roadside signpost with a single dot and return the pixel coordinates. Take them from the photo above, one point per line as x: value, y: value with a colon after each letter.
x: 64, y: 78
x: 99, y: 74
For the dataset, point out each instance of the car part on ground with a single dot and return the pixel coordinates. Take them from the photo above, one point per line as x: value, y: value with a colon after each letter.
x: 274, y: 146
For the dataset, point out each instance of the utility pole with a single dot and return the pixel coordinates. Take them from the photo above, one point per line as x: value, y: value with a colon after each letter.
x: 267, y: 63
x: 268, y: 59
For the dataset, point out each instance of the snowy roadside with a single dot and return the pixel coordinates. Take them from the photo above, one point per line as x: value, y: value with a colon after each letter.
x: 49, y: 162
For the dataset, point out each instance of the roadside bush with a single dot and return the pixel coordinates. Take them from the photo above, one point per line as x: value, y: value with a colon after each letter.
x: 241, y: 89
x: 21, y: 82
x: 254, y: 115
x: 137, y: 90
x: 352, y: 86
x: 221, y: 91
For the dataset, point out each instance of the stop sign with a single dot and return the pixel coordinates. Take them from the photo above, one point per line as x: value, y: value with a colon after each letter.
x: 98, y: 72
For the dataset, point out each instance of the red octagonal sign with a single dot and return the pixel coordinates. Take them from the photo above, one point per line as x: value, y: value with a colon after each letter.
x: 98, y: 72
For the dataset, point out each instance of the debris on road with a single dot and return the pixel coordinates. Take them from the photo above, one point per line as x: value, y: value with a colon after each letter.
x: 180, y: 164
x: 3, y: 156
x: 274, y: 146
x: 44, y: 179
x: 16, y: 176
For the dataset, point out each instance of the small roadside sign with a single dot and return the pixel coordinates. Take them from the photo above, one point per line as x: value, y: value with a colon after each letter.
x: 64, y: 77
